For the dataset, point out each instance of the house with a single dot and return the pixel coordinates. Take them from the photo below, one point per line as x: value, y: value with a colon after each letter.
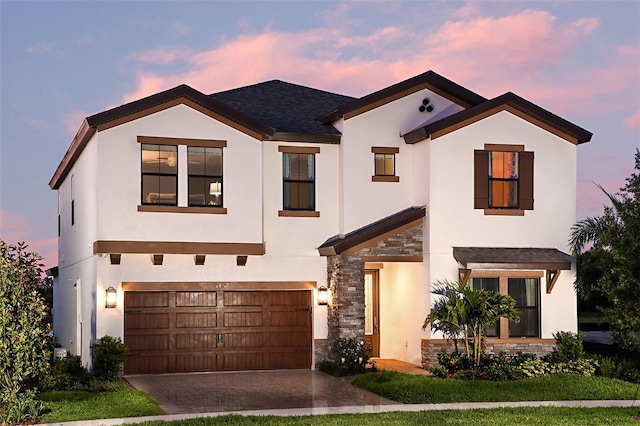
x: 207, y: 231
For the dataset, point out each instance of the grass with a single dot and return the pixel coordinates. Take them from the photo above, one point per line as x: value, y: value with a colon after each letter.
x: 410, y: 389
x: 512, y: 416
x: 64, y: 406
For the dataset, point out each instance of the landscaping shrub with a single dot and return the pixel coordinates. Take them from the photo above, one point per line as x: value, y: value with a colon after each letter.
x: 619, y: 368
x: 466, y: 374
x: 66, y: 374
x: 108, y: 355
x: 439, y: 371
x: 454, y: 361
x: 534, y: 368
x: 353, y: 355
x: 18, y: 408
x: 569, y: 347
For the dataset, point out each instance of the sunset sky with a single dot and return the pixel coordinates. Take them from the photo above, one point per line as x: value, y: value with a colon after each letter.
x: 63, y: 61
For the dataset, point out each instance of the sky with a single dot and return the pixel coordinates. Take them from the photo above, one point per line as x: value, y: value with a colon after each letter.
x: 62, y: 61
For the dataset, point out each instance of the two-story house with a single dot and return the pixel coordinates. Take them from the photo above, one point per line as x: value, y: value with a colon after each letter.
x: 253, y: 228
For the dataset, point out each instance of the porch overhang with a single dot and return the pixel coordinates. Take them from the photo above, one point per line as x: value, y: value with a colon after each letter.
x: 505, y: 258
x: 370, y: 234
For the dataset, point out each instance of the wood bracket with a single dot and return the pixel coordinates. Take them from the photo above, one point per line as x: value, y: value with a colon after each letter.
x: 463, y: 275
x: 552, y: 277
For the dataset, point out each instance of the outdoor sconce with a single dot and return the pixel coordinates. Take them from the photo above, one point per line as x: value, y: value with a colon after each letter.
x: 110, y: 299
x: 323, y: 296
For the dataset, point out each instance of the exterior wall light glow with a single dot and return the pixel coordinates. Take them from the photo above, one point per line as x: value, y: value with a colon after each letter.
x: 323, y: 296
x: 110, y: 298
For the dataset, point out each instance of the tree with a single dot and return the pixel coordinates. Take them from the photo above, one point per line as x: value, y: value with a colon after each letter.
x: 611, y: 268
x: 23, y: 334
x: 462, y: 311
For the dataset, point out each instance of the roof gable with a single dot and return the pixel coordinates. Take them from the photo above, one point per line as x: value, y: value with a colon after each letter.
x: 373, y: 232
x: 508, y: 102
x: 428, y: 80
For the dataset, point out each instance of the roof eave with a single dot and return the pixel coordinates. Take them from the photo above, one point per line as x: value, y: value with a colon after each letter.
x: 84, y: 134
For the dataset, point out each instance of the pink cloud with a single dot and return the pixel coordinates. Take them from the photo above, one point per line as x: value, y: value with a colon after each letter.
x: 633, y: 122
x: 16, y: 228
x: 40, y: 49
x: 73, y: 120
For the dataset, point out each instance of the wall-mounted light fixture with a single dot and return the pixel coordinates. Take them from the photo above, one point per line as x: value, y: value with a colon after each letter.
x: 110, y: 298
x: 323, y: 296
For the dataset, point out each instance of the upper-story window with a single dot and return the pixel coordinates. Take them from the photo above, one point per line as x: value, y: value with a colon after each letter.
x: 503, y: 176
x: 205, y: 176
x: 384, y: 164
x: 159, y: 174
x: 299, y: 181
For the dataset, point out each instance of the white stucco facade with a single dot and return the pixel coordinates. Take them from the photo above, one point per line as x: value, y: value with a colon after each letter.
x: 435, y: 173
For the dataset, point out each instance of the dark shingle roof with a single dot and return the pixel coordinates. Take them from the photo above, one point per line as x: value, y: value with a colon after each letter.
x: 340, y: 243
x: 287, y: 107
x: 511, y: 258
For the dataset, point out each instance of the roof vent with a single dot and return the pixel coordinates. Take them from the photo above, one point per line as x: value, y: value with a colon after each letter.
x: 426, y: 105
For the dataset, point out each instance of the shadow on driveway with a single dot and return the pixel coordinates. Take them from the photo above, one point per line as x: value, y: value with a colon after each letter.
x: 252, y: 390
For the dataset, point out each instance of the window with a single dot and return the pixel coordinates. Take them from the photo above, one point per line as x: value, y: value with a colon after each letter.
x: 526, y: 293
x: 384, y: 164
x: 73, y: 204
x: 160, y: 174
x: 489, y: 284
x: 205, y: 176
x: 503, y: 176
x: 503, y: 180
x: 299, y: 187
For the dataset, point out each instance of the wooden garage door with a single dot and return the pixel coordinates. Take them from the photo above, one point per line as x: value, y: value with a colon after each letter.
x: 184, y: 331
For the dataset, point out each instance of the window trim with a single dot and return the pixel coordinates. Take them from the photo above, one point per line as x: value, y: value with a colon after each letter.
x: 525, y: 180
x: 206, y: 177
x: 384, y: 150
x: 288, y: 149
x: 503, y: 282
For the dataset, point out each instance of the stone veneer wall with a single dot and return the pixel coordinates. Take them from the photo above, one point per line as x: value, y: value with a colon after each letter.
x: 540, y: 347
x: 346, y: 286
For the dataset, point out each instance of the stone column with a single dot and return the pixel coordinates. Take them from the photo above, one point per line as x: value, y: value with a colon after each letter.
x: 346, y: 305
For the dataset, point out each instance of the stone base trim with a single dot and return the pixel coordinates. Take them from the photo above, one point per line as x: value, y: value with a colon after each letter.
x: 321, y: 350
x: 431, y: 347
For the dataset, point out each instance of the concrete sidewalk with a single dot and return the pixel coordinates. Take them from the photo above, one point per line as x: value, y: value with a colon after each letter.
x: 365, y: 409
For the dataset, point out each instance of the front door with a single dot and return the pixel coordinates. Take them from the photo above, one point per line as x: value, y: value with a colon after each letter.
x: 372, y: 310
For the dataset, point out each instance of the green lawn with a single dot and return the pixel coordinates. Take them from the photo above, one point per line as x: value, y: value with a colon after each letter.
x: 505, y: 416
x: 64, y: 406
x: 413, y: 389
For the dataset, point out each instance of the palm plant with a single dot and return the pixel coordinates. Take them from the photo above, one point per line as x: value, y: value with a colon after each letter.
x: 464, y: 312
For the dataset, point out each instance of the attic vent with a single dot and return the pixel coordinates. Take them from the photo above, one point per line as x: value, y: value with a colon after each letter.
x: 426, y: 105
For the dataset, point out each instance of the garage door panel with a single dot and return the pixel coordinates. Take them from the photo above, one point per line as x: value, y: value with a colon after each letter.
x: 243, y: 361
x: 204, y: 361
x: 244, y: 298
x: 146, y: 299
x: 243, y: 319
x: 135, y: 321
x: 147, y: 364
x: 289, y: 298
x: 196, y: 298
x: 290, y: 359
x: 243, y: 340
x: 196, y: 320
x: 148, y: 342
x: 197, y: 341
x: 286, y: 339
x: 290, y: 318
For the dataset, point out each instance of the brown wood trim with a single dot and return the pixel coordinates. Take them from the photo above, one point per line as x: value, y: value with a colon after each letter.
x: 216, y: 285
x: 463, y: 275
x: 158, y: 140
x: 402, y: 94
x: 373, y: 265
x: 385, y: 178
x: 513, y: 111
x: 199, y: 259
x: 493, y: 340
x: 305, y: 137
x: 84, y: 135
x: 503, y: 212
x: 176, y: 209
x: 320, y: 341
x: 299, y: 149
x: 552, y: 277
x: 157, y: 259
x: 176, y: 102
x: 413, y: 259
x: 298, y: 213
x: 166, y: 247
x: 483, y: 273
x: 115, y: 258
x: 381, y: 237
x: 503, y: 147
x: 385, y: 150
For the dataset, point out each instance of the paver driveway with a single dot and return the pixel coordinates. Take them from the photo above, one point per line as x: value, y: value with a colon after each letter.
x: 251, y: 390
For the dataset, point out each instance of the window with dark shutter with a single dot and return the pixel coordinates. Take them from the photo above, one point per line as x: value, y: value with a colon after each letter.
x: 503, y: 179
